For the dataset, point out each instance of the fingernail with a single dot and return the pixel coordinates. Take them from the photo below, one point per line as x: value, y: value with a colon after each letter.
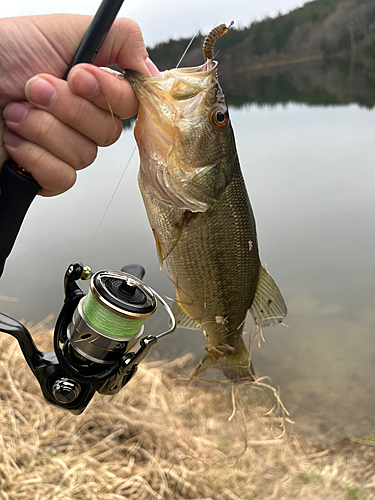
x: 13, y: 140
x: 15, y: 112
x: 40, y: 91
x: 83, y: 82
x: 151, y: 67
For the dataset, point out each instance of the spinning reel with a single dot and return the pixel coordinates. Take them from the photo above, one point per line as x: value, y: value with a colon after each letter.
x: 93, y: 336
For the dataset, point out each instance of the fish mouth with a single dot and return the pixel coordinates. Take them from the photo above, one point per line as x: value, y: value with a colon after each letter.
x: 204, y: 70
x: 177, y: 83
x: 160, y: 97
x: 170, y: 105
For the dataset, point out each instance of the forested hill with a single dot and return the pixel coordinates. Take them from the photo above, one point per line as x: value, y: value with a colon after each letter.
x: 321, y: 29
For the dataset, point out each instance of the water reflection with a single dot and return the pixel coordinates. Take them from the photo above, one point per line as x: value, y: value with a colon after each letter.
x: 316, y: 83
x: 319, y: 83
x: 310, y: 176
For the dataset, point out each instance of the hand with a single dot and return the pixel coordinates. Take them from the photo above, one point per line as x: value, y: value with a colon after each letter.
x: 50, y: 127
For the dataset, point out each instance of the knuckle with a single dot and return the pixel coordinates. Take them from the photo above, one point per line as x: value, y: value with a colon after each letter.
x: 65, y: 180
x: 85, y: 155
x: 36, y: 157
x: 77, y: 113
x: 42, y: 123
x: 112, y: 132
x: 69, y: 179
x: 54, y: 175
x: 133, y: 28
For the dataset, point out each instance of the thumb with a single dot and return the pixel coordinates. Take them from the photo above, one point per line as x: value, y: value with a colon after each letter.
x: 125, y: 47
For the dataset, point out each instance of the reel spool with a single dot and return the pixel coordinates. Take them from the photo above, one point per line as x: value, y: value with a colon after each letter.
x: 109, y: 320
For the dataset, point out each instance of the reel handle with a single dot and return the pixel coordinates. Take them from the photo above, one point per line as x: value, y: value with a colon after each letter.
x: 58, y: 388
x: 135, y: 269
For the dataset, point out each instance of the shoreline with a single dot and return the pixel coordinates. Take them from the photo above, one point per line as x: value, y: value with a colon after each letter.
x: 165, y: 439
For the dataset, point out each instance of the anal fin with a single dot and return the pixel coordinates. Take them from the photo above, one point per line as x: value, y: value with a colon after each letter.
x: 236, y: 367
x: 268, y: 307
x: 183, y: 319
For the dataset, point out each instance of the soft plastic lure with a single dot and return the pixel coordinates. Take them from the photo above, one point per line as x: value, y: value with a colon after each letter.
x: 209, y: 41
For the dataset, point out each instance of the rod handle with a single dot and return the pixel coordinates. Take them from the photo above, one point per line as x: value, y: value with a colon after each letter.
x: 17, y: 191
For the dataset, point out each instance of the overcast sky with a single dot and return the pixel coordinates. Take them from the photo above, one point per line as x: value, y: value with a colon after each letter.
x: 166, y: 18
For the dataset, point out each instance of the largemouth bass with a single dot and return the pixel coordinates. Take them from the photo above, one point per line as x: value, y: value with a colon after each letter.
x: 200, y: 213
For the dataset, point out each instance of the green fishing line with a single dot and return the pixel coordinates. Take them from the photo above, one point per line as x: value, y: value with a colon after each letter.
x: 108, y: 321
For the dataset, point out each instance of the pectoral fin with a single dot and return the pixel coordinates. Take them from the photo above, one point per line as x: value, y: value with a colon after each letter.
x: 178, y: 228
x: 268, y: 307
x: 159, y: 249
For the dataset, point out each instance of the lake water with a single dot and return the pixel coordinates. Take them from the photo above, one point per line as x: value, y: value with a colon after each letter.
x: 311, y: 180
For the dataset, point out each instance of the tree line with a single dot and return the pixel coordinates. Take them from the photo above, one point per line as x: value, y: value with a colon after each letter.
x: 319, y: 29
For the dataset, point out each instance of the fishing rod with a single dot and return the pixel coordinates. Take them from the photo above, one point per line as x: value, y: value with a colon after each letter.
x: 95, y: 332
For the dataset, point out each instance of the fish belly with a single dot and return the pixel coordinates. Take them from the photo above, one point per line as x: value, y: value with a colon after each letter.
x: 212, y: 259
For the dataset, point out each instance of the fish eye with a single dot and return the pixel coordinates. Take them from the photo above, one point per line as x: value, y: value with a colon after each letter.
x: 219, y: 118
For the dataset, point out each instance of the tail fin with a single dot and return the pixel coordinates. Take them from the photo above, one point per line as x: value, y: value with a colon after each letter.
x: 235, y: 367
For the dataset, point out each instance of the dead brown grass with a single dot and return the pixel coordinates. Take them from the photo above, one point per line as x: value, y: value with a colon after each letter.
x: 162, y: 438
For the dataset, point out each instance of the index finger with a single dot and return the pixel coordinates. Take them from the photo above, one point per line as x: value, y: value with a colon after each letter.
x: 105, y: 88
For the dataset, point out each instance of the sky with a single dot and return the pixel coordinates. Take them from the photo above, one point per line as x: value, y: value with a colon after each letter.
x: 164, y: 19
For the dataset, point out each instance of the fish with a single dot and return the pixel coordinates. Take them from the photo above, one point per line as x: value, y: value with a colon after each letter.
x: 200, y: 213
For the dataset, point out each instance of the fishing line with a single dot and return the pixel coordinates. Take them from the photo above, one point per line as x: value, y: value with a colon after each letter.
x: 188, y: 47
x: 195, y: 35
x: 238, y: 13
x: 114, y: 193
x: 111, y: 199
x: 108, y: 321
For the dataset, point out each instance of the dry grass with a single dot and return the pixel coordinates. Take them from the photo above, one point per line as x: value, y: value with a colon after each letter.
x: 162, y: 438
